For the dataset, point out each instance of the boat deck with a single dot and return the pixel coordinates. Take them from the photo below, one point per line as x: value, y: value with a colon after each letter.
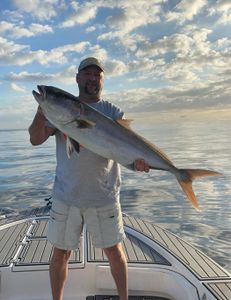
x: 215, y: 278
x: 24, y: 245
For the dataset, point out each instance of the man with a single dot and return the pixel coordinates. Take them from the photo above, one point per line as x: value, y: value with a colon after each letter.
x: 86, y: 190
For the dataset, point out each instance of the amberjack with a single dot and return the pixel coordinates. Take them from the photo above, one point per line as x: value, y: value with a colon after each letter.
x: 115, y: 140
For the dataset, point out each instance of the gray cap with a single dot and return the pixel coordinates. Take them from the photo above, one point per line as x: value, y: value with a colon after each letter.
x: 90, y: 61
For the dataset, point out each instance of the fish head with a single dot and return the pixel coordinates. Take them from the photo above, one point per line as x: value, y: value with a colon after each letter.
x: 58, y: 106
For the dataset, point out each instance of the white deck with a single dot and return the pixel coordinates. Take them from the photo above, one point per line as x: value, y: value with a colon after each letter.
x: 161, y: 265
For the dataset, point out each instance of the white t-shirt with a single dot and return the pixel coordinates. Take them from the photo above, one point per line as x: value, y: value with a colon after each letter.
x: 87, y: 179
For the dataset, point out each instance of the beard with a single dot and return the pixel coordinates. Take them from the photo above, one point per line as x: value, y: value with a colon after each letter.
x: 92, y: 89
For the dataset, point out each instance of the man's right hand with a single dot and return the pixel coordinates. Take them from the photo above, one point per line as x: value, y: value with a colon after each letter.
x: 38, y: 130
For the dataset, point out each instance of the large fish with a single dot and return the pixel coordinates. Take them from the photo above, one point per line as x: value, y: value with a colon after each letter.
x: 108, y: 138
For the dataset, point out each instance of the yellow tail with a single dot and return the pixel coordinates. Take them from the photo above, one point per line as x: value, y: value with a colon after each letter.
x: 185, y: 178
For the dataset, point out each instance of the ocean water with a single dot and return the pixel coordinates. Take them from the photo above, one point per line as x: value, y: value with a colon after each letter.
x: 27, y: 173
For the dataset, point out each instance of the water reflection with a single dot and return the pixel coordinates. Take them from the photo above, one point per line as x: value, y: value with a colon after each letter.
x: 26, y: 177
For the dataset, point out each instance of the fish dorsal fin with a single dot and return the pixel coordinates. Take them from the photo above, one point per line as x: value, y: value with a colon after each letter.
x: 125, y: 123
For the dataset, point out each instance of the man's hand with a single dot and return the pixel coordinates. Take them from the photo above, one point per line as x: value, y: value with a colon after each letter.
x: 40, y: 111
x: 141, y: 165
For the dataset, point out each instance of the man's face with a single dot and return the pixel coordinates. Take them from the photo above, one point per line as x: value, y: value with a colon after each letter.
x: 90, y: 81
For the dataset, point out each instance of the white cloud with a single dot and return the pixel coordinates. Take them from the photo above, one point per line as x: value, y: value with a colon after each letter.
x: 97, y: 51
x: 6, y: 26
x: 134, y: 14
x: 185, y: 11
x: 116, y: 68
x: 65, y: 76
x: 40, y: 9
x: 16, y: 88
x: 222, y: 8
x: 28, y: 77
x: 16, y: 54
x: 91, y: 29
x: 180, y: 44
x: 19, y: 31
x: 9, y: 48
x: 83, y: 13
x: 198, y: 95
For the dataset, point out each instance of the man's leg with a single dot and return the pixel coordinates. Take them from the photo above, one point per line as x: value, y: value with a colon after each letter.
x: 119, y: 269
x: 59, y: 272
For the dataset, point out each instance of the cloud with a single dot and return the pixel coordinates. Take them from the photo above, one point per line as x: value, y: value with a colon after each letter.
x: 6, y: 26
x: 16, y: 54
x: 66, y: 76
x: 19, y: 31
x: 222, y: 8
x: 82, y: 14
x: 9, y: 49
x: 202, y: 95
x: 185, y: 11
x: 129, y: 17
x: 116, y: 68
x: 40, y: 9
x: 125, y: 20
x: 91, y: 29
x: 180, y: 44
x: 28, y: 77
x: 16, y: 88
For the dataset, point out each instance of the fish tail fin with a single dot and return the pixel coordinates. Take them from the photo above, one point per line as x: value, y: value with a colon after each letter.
x: 185, y: 178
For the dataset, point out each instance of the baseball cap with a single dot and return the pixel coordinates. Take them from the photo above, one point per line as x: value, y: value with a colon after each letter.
x: 90, y: 61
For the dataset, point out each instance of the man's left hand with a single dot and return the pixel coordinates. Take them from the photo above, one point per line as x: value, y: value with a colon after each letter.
x: 141, y: 165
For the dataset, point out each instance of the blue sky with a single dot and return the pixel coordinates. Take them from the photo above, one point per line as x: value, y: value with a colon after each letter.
x: 159, y: 55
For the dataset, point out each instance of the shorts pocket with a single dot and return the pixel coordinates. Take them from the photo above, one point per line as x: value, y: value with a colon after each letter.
x: 57, y: 229
x: 110, y: 212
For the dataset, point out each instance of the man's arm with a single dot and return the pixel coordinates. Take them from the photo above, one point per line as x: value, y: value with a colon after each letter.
x: 38, y: 130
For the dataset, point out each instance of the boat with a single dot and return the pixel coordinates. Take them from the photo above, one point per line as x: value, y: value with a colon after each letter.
x: 162, y: 266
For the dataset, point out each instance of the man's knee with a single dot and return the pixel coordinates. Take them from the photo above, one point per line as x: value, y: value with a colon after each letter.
x: 60, y: 256
x: 115, y: 252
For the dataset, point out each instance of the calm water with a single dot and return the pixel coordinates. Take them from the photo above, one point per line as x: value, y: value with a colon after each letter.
x: 27, y: 172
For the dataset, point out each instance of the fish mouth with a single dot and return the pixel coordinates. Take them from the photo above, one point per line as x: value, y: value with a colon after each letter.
x: 40, y: 94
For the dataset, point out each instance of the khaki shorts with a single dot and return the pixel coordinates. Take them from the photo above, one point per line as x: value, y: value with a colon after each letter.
x: 105, y: 225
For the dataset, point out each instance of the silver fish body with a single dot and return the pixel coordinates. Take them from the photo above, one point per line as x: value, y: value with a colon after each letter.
x: 108, y: 138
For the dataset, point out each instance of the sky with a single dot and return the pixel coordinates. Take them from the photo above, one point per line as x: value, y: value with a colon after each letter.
x: 159, y: 55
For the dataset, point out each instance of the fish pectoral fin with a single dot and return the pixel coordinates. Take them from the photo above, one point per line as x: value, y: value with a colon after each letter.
x: 75, y: 145
x: 71, y: 146
x: 84, y: 124
x: 125, y: 123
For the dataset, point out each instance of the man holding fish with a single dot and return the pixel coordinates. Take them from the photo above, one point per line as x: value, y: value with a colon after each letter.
x: 87, y: 185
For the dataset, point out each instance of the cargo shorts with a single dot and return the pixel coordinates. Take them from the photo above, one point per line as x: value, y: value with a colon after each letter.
x: 105, y: 224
